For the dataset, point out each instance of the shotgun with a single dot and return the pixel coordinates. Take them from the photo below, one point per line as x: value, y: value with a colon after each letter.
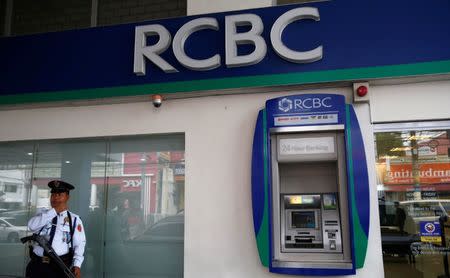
x: 51, y: 253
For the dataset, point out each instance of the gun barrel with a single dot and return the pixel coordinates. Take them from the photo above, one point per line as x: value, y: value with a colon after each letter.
x: 25, y: 239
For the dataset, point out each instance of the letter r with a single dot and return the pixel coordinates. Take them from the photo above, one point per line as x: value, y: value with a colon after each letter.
x: 142, y: 51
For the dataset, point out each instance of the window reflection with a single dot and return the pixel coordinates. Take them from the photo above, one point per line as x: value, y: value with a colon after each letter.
x: 413, y: 177
x: 145, y: 218
x: 15, y: 182
x: 129, y: 194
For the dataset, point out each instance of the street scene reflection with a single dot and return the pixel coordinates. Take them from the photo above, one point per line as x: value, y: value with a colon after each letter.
x: 413, y: 177
x: 130, y: 197
x: 145, y: 218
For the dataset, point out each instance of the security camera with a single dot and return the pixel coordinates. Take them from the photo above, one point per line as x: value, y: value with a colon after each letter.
x: 157, y: 100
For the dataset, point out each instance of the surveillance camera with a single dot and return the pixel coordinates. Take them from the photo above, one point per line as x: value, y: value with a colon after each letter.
x: 157, y: 100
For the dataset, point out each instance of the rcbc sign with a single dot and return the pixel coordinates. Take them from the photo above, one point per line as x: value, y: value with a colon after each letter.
x: 233, y: 39
x: 287, y: 105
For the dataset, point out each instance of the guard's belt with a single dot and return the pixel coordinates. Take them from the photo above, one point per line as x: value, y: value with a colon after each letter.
x: 67, y: 259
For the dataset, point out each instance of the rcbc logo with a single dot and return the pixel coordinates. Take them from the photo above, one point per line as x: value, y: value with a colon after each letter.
x: 286, y: 104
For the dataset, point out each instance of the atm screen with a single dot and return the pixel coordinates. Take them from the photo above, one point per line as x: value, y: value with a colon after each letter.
x: 303, y: 219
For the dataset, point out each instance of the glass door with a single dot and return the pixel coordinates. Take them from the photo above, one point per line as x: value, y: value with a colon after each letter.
x: 144, y: 235
x: 413, y: 179
x: 16, y: 169
x: 129, y: 193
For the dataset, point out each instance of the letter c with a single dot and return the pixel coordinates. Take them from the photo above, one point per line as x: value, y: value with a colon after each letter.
x: 306, y: 105
x: 324, y: 104
x: 180, y: 38
x: 277, y: 32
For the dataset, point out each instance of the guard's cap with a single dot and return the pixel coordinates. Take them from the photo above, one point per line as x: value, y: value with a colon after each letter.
x: 58, y: 186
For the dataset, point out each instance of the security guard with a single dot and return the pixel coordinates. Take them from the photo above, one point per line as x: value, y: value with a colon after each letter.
x: 63, y: 230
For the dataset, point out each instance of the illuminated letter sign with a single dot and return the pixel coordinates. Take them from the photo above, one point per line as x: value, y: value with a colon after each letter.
x: 233, y: 39
x: 141, y: 50
x: 181, y: 37
x: 277, y: 32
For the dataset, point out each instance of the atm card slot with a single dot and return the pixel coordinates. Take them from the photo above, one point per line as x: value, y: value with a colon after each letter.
x: 331, y: 223
x: 304, y: 239
x: 304, y: 245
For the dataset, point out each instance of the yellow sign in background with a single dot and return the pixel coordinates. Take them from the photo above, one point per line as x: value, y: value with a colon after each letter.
x: 431, y: 239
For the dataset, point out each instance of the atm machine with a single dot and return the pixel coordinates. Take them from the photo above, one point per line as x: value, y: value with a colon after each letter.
x: 310, y: 190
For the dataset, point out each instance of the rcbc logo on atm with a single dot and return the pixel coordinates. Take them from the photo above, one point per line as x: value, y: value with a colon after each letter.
x: 287, y: 105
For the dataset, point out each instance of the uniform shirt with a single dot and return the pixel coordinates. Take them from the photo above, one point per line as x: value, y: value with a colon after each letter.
x: 42, y: 224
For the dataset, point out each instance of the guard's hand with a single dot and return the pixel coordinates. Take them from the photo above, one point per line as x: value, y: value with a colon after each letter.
x: 76, y: 271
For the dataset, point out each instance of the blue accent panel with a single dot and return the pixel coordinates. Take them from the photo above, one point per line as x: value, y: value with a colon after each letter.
x: 360, y: 173
x: 349, y: 178
x: 354, y: 34
x: 258, y: 173
x: 269, y: 185
x: 313, y: 272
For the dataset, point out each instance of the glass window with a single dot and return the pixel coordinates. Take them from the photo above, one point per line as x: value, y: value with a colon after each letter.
x: 2, y: 20
x: 11, y: 188
x: 145, y: 213
x: 118, y: 12
x: 129, y: 193
x: 30, y: 17
x: 81, y: 163
x: 413, y: 177
x: 15, y: 172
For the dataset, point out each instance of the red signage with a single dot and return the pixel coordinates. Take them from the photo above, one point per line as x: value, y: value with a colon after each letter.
x: 429, y: 173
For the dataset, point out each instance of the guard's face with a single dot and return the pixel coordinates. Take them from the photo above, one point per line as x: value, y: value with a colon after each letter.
x: 58, y: 199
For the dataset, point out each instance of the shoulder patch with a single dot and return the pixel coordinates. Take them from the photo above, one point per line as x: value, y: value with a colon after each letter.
x: 79, y: 228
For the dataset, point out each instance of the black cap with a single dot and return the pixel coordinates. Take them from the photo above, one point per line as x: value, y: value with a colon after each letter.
x: 60, y: 186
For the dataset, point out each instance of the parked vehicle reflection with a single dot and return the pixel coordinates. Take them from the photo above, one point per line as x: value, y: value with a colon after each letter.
x: 158, y: 251
x: 9, y: 231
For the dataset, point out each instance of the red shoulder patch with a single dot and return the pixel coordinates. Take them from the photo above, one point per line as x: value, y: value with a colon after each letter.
x: 79, y: 228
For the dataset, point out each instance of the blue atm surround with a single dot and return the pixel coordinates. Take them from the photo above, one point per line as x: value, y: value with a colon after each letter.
x: 310, y: 110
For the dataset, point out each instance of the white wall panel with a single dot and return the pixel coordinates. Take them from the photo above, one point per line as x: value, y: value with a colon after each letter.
x: 410, y: 102
x: 219, y: 237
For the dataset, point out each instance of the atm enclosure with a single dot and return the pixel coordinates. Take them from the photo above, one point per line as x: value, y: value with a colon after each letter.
x: 307, y: 210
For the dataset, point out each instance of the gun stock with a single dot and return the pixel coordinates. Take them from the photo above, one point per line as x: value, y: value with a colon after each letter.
x: 51, y: 253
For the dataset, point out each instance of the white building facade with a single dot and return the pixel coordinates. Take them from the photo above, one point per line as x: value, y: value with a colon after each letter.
x: 216, y: 126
